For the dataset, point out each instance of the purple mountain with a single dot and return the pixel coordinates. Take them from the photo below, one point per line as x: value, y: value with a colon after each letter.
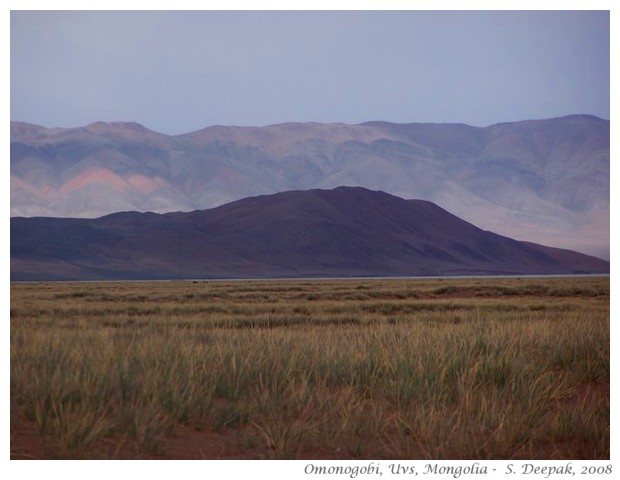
x: 545, y: 181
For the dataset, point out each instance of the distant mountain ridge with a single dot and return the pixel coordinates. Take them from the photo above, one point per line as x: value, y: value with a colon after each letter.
x: 347, y: 231
x: 545, y: 181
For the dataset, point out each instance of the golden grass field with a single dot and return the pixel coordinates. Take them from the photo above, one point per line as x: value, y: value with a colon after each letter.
x: 489, y: 368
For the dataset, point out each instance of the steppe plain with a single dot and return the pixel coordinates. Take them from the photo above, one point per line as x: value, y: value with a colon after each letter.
x: 427, y: 368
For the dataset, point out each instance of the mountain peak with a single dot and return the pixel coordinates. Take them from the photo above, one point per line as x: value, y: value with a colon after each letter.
x: 122, y: 128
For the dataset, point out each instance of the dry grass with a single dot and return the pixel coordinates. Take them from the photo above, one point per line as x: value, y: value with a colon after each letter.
x: 419, y: 369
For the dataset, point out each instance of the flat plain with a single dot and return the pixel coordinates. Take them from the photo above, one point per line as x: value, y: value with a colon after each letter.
x: 437, y: 368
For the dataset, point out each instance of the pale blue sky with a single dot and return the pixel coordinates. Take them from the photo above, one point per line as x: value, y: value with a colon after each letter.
x: 176, y: 72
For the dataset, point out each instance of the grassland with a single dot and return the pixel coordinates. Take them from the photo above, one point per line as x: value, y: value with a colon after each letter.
x: 400, y: 369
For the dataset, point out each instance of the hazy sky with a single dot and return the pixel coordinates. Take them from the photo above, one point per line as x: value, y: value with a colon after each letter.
x: 176, y: 72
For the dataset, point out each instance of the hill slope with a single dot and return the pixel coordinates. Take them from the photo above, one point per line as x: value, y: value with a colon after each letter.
x: 342, y: 232
x: 545, y: 181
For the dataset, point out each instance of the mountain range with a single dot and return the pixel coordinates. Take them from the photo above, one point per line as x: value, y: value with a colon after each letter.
x: 543, y: 181
x: 347, y: 231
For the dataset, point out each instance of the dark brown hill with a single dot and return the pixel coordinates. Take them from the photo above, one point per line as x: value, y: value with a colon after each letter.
x: 342, y: 232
